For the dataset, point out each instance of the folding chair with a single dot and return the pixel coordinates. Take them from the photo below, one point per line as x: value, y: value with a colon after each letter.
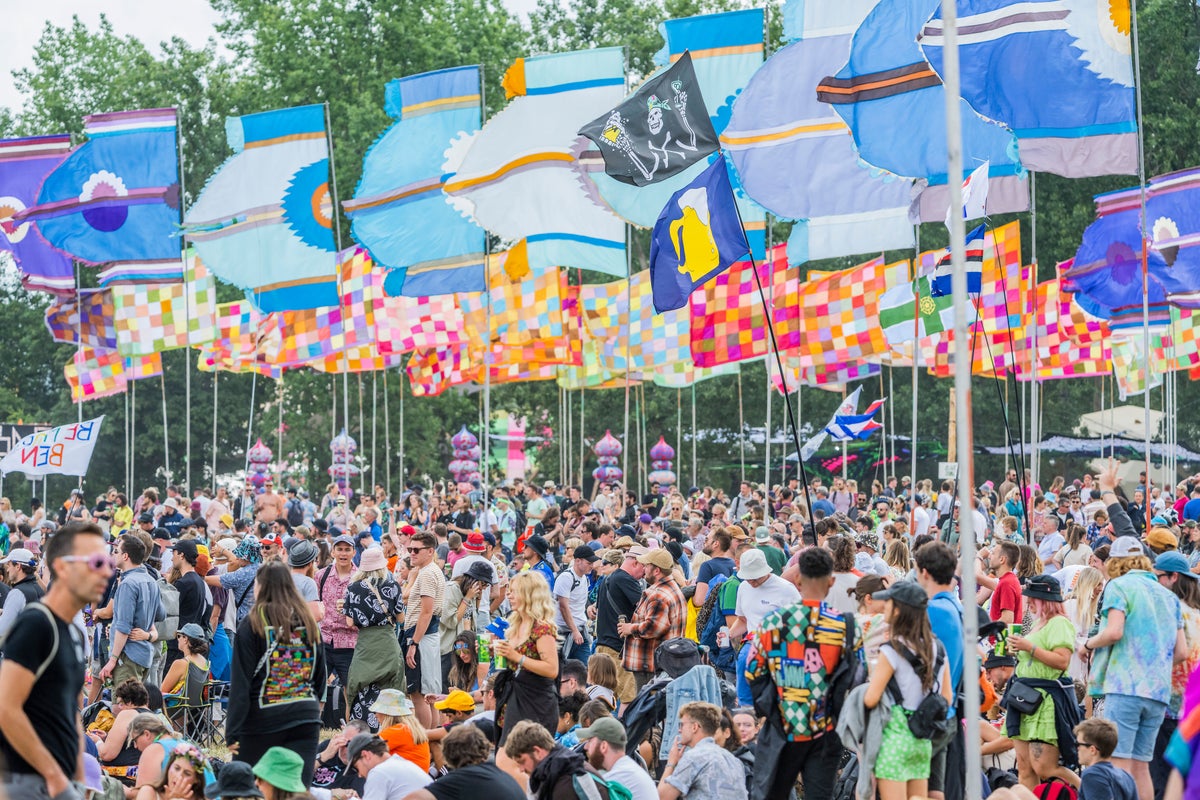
x: 191, y: 711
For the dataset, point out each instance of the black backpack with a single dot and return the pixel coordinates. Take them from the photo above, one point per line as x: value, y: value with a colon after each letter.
x: 295, y: 514
x: 930, y: 718
x: 849, y: 672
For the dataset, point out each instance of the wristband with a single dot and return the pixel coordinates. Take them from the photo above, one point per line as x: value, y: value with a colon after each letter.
x: 1086, y: 646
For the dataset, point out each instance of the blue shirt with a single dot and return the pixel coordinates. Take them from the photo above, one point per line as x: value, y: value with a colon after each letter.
x: 137, y: 604
x: 1103, y: 781
x: 376, y: 531
x: 945, y: 618
x: 543, y: 568
x: 1191, y: 509
x: 825, y: 506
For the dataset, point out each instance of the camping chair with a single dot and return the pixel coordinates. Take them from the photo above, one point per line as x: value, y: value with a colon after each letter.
x: 191, y: 710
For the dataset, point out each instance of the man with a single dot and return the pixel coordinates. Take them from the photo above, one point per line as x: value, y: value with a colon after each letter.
x: 338, y: 638
x: 1101, y: 779
x: 332, y: 769
x: 801, y: 661
x: 20, y: 572
x: 661, y: 615
x: 999, y: 671
x: 339, y: 516
x: 536, y: 552
x: 137, y: 603
x: 775, y: 557
x: 423, y: 655
x: 1007, y: 604
x: 740, y: 505
x: 616, y: 598
x: 868, y: 542
x: 552, y: 769
x: 370, y: 517
x: 936, y: 563
x: 171, y: 519
x: 718, y: 563
x: 302, y: 560
x: 572, y: 677
x: 270, y: 543
x: 700, y: 769
x: 537, y: 505
x: 1049, y: 540
x: 822, y: 503
x: 193, y: 595
x: 759, y: 593
x: 387, y: 776
x: 269, y: 506
x: 604, y: 745
x: 571, y: 589
x: 43, y: 670
x: 1010, y: 483
x: 466, y: 751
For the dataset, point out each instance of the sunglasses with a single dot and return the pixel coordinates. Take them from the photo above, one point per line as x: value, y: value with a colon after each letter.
x: 461, y: 646
x: 416, y: 549
x: 96, y: 562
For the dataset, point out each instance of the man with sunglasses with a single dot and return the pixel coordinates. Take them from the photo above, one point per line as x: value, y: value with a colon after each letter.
x: 43, y: 670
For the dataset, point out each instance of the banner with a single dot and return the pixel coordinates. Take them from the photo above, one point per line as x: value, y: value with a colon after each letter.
x: 65, y: 450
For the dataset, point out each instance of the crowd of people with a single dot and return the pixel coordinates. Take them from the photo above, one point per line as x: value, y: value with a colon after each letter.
x: 530, y: 641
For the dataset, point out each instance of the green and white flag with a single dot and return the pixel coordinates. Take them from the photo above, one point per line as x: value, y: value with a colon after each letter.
x: 900, y: 305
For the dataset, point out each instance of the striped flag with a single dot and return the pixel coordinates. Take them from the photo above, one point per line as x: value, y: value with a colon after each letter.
x: 847, y: 424
x: 942, y: 274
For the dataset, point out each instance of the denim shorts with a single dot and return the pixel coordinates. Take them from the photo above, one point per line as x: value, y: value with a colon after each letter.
x: 1138, y: 720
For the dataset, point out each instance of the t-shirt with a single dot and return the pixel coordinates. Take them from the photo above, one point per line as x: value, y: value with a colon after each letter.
x: 776, y: 560
x: 618, y: 595
x: 1139, y: 663
x: 333, y: 774
x: 476, y: 781
x: 193, y: 600
x: 1191, y: 509
x: 1007, y: 597
x: 633, y: 777
x: 430, y: 582
x: 373, y: 603
x: 400, y: 742
x: 51, y: 704
x: 394, y: 778
x: 754, y: 603
x: 575, y: 589
x: 1103, y: 781
x: 306, y: 586
x: 714, y: 567
x: 240, y: 584
x: 709, y: 772
x: 945, y: 619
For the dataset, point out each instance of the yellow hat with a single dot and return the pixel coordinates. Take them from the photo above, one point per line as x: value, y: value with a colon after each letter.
x: 457, y: 700
x: 227, y: 519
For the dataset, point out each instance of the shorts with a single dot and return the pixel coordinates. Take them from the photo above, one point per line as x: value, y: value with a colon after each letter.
x: 902, y: 756
x: 1138, y: 720
x: 626, y: 686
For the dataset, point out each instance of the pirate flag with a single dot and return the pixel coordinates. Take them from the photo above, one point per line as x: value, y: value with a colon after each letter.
x: 660, y: 131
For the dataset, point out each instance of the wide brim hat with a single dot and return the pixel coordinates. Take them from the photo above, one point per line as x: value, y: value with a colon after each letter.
x: 281, y: 768
x: 372, y: 560
x: 235, y: 780
x: 1043, y: 587
x: 393, y: 703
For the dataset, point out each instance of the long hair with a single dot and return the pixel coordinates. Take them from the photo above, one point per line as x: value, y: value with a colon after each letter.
x: 911, y: 627
x: 897, y: 555
x: 534, y: 593
x: 1087, y: 598
x: 278, y: 605
x: 1116, y: 566
x: 1187, y: 590
x: 1075, y: 534
x: 463, y: 674
x: 186, y: 752
x: 1028, y: 564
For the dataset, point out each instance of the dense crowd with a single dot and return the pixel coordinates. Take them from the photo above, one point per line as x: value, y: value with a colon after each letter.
x: 528, y: 640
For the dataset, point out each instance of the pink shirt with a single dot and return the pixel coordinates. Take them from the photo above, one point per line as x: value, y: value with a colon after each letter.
x: 334, y: 630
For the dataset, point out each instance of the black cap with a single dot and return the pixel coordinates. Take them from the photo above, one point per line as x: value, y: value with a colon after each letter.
x: 1043, y: 587
x: 992, y: 661
x: 187, y: 548
x: 586, y: 553
x: 909, y: 593
x: 145, y: 518
x: 320, y: 525
x: 481, y: 571
x: 356, y: 746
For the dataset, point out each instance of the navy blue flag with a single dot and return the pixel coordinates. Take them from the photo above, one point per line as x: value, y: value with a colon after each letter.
x: 942, y: 285
x: 697, y: 236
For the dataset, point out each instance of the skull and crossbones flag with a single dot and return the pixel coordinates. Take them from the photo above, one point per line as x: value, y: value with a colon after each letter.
x: 660, y: 131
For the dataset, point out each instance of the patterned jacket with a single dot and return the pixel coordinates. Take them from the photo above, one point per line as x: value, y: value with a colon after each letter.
x: 661, y: 615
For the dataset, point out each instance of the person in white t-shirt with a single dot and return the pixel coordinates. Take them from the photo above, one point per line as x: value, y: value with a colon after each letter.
x: 570, y: 595
x: 923, y: 518
x: 604, y: 744
x: 759, y: 593
x: 387, y: 776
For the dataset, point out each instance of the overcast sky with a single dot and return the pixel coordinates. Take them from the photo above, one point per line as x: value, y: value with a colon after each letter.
x: 152, y: 21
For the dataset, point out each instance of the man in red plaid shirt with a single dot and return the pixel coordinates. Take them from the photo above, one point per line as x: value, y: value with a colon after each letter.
x: 661, y: 615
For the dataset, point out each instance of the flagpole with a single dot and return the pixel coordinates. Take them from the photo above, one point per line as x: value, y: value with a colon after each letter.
x: 187, y: 316
x: 962, y: 382
x: 387, y: 439
x: 337, y: 265
x: 916, y: 355
x: 695, y: 474
x: 741, y: 429
x: 1141, y: 145
x: 216, y: 373
x: 1034, y: 435
x: 487, y: 352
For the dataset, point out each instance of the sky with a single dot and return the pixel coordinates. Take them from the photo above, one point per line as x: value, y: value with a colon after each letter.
x: 152, y: 21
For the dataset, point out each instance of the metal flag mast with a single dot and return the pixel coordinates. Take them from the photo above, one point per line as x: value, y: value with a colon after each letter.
x: 1141, y: 148
x: 337, y: 264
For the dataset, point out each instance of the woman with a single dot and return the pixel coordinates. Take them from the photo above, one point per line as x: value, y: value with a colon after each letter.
x: 602, y: 679
x: 1075, y: 551
x: 531, y: 650
x: 465, y: 672
x: 1013, y: 507
x: 902, y: 768
x: 400, y: 728
x: 280, y: 775
x: 841, y: 595
x: 374, y: 608
x: 193, y: 667
x: 278, y: 673
x: 1173, y: 572
x: 183, y: 779
x: 117, y: 754
x: 150, y: 735
x: 1045, y: 654
x: 414, y: 512
x: 898, y: 559
x: 870, y: 616
x: 1083, y: 609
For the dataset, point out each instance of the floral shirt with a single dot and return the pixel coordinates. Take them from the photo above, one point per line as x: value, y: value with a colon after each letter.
x: 372, y: 604
x: 334, y: 629
x: 1181, y: 671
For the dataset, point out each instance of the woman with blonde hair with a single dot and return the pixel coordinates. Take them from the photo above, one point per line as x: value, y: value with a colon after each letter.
x: 898, y: 559
x: 400, y: 728
x: 1083, y: 609
x: 531, y: 650
x: 373, y: 608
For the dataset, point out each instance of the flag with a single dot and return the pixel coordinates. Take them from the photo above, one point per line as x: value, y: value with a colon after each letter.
x: 264, y: 221
x: 974, y: 195
x: 399, y: 211
x: 516, y: 176
x: 85, y: 317
x: 942, y: 285
x: 1059, y: 74
x: 660, y: 131
x: 24, y: 164
x: 728, y: 321
x: 150, y: 318
x: 697, y: 236
x: 1171, y: 211
x: 910, y: 311
x: 65, y: 450
x: 845, y: 425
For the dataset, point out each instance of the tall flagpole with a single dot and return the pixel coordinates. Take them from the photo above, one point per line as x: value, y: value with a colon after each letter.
x: 1035, y: 436
x: 916, y: 356
x: 1141, y: 145
x: 962, y: 382
x: 485, y: 434
x: 187, y: 316
x: 337, y: 265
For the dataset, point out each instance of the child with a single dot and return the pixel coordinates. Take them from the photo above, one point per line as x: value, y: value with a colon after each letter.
x: 1100, y: 780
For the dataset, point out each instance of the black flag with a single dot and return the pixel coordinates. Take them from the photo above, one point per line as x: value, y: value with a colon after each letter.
x: 658, y: 132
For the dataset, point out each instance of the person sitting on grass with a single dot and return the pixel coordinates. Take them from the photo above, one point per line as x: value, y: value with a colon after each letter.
x: 1100, y: 779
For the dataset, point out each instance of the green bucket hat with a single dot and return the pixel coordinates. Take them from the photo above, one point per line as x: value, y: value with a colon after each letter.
x: 281, y: 768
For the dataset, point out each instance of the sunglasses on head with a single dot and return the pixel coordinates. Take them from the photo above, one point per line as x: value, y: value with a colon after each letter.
x: 96, y: 562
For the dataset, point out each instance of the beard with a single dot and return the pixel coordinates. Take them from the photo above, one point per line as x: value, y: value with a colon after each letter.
x: 596, y: 759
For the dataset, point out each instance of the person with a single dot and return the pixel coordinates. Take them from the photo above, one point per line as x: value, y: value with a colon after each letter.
x: 531, y: 650
x: 568, y: 717
x: 332, y: 769
x: 193, y: 598
x: 279, y: 774
x: 1045, y: 654
x: 1007, y: 605
x: 936, y: 563
x: 183, y: 778
x: 423, y: 598
x: 373, y: 608
x: 20, y: 573
x: 601, y: 681
x: 604, y: 745
x: 904, y: 762
x: 617, y: 597
x: 803, y: 699
x: 466, y: 750
x: 236, y: 782
x: 460, y: 618
x: 660, y: 615
x: 137, y: 603
x: 302, y: 559
x: 238, y: 579
x: 537, y: 550
x: 43, y: 669
x: 552, y: 769
x: 150, y: 735
x: 116, y: 753
x: 571, y: 596
x: 697, y: 767
x: 338, y: 637
x: 1100, y: 779
x: 719, y: 563
x: 400, y: 728
x: 387, y: 776
x: 1173, y: 571
x: 192, y: 668
x: 760, y: 592
x: 278, y: 674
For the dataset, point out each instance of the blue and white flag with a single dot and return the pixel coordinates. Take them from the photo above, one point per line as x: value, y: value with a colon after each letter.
x: 974, y: 195
x: 846, y: 425
x: 943, y: 274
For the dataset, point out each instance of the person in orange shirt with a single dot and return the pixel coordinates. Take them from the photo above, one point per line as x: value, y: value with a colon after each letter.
x: 400, y: 728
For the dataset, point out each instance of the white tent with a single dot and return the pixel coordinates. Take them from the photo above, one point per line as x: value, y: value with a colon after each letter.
x: 1125, y: 422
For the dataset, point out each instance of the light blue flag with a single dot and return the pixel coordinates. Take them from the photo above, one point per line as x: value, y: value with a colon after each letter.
x: 399, y: 212
x: 893, y: 102
x: 726, y: 50
x: 264, y: 221
x: 116, y: 197
x: 1057, y: 72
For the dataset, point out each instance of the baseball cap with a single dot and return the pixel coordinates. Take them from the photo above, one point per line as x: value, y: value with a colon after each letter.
x: 188, y: 549
x: 762, y: 534
x: 658, y: 558
x: 356, y: 746
x: 606, y: 729
x: 909, y: 593
x: 343, y: 540
x: 20, y: 556
x: 753, y: 565
x: 145, y: 518
x: 644, y: 518
x: 457, y: 700
x: 586, y: 553
x: 1175, y: 561
x: 1161, y: 539
x: 1126, y: 546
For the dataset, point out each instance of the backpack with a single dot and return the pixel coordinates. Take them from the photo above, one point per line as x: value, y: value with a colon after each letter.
x: 587, y: 790
x: 705, y: 611
x: 168, y: 626
x: 849, y: 672
x: 929, y: 719
x: 846, y: 785
x: 1055, y: 789
x: 295, y: 514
